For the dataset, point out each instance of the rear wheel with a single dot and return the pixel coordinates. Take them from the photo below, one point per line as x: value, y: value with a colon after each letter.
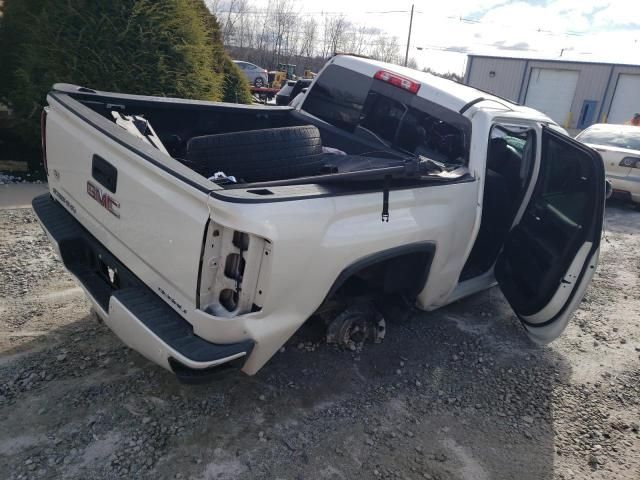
x: 259, y: 155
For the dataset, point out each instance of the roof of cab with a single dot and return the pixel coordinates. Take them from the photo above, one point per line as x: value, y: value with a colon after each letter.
x: 449, y: 94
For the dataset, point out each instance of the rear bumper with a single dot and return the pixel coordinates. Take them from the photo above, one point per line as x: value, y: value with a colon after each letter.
x: 139, y: 317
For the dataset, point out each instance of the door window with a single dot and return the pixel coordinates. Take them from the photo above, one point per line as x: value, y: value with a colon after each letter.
x: 510, y: 158
x: 511, y: 154
x: 566, y: 177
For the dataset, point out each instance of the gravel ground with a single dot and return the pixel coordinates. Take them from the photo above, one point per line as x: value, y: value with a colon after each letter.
x: 7, y: 178
x: 458, y: 393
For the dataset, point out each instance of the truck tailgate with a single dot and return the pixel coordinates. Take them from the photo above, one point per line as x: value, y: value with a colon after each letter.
x: 148, y: 210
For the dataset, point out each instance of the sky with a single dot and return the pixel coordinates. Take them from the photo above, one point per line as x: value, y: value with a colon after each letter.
x: 444, y: 31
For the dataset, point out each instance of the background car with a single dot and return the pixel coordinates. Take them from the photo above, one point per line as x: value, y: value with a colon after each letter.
x: 619, y: 146
x: 256, y: 75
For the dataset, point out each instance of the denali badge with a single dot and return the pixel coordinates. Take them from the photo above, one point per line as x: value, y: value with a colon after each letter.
x: 103, y: 199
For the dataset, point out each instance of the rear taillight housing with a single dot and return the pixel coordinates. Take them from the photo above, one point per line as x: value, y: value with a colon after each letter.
x: 630, y: 162
x: 399, y: 81
x: 43, y: 139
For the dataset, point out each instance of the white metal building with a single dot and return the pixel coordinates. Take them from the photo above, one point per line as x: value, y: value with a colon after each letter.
x: 575, y: 94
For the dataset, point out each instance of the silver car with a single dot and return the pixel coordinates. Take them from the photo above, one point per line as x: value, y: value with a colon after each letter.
x: 619, y: 146
x: 256, y: 75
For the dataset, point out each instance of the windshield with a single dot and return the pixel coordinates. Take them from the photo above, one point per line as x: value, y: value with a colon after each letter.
x: 612, y: 138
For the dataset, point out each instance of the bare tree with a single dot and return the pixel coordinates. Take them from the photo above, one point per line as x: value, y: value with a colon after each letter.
x: 242, y: 20
x: 326, y: 40
x: 229, y: 13
x: 279, y: 33
x: 338, y: 27
x: 309, y: 37
x: 386, y: 49
x: 358, y: 39
x: 213, y: 5
x: 281, y: 18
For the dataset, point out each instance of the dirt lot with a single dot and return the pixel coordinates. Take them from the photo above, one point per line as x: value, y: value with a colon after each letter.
x: 454, y: 394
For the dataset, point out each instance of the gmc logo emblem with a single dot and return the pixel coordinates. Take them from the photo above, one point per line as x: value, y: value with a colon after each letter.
x: 104, y: 199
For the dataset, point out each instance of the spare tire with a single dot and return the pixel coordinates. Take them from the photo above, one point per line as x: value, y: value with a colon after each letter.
x: 259, y: 155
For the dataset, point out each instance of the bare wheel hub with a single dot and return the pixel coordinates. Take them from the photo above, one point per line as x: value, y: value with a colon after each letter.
x: 357, y: 324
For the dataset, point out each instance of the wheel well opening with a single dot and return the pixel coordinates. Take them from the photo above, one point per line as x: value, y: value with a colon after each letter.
x: 379, y: 286
x: 402, y: 271
x: 404, y: 274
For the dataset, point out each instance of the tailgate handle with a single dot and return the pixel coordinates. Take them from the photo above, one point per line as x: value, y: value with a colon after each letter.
x: 104, y: 173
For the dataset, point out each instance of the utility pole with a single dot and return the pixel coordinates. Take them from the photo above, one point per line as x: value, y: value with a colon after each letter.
x: 406, y: 55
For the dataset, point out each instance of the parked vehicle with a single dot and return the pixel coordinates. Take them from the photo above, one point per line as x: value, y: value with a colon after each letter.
x: 291, y: 90
x: 256, y: 75
x: 619, y: 146
x: 286, y: 73
x: 215, y: 252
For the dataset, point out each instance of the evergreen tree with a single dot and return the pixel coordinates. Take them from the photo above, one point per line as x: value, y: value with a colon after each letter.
x: 151, y: 47
x: 235, y: 87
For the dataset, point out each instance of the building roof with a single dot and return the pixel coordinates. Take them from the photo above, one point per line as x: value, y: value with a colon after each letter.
x: 568, y: 59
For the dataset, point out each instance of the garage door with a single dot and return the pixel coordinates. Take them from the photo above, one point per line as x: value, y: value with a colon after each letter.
x: 551, y: 92
x: 626, y: 99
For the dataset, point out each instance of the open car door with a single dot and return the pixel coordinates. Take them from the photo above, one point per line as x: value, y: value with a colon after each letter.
x: 550, y: 256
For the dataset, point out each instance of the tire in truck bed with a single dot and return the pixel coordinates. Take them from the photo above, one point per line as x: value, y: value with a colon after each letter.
x: 259, y: 155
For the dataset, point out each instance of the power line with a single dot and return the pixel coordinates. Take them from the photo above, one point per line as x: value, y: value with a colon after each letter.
x: 466, y: 50
x: 473, y: 21
x: 460, y: 19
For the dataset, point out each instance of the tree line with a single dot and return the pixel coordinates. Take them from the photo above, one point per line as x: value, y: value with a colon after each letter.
x: 150, y: 47
x: 280, y: 33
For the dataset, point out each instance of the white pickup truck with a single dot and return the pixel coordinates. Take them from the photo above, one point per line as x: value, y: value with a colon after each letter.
x: 205, y: 234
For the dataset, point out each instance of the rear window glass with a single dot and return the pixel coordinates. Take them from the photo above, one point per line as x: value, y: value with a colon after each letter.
x: 423, y: 134
x: 612, y: 138
x: 338, y: 96
x: 382, y: 115
x: 399, y: 119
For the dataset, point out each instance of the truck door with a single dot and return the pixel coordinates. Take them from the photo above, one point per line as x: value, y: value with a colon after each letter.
x: 550, y: 256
